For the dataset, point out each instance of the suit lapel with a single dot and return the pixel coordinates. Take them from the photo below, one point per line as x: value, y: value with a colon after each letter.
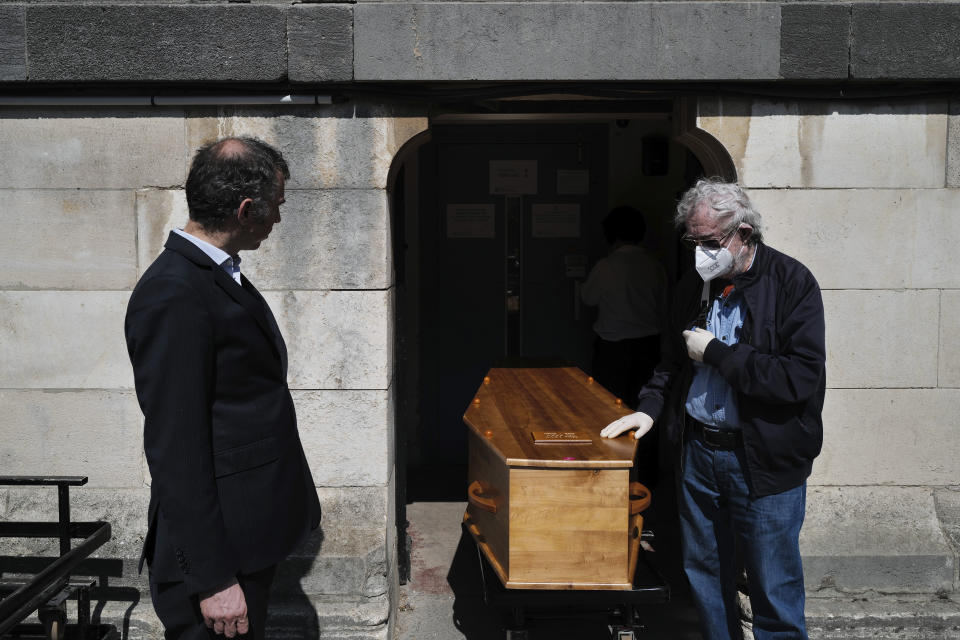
x: 274, y: 327
x: 246, y: 296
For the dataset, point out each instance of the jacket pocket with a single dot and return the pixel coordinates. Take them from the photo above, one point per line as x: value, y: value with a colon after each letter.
x: 245, y: 457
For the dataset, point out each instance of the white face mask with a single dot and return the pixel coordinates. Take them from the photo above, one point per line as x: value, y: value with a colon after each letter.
x: 713, y: 263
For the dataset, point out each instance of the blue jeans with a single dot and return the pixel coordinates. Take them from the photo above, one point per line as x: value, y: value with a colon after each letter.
x: 719, y: 522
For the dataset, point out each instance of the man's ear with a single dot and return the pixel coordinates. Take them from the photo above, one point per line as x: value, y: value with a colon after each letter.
x: 745, y: 232
x: 244, y: 211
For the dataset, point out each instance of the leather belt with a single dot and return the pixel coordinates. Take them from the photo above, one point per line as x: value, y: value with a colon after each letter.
x: 724, y: 439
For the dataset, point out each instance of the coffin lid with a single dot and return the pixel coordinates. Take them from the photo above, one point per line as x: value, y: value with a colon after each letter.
x: 512, y: 403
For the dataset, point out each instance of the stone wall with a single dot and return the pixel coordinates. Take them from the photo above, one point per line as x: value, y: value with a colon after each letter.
x: 89, y: 197
x: 865, y: 194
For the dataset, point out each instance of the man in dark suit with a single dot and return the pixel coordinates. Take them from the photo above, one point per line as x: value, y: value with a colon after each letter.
x: 231, y: 492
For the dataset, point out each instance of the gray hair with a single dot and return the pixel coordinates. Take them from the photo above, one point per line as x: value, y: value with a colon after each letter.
x: 727, y: 201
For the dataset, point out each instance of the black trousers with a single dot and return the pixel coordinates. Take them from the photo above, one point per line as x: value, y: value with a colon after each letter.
x: 623, y: 367
x: 179, y: 610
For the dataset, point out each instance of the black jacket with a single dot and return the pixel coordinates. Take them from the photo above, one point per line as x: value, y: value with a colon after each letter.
x: 777, y: 369
x: 231, y: 490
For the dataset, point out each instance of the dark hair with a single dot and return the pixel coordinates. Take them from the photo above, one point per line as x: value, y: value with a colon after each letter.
x: 624, y: 223
x: 225, y: 172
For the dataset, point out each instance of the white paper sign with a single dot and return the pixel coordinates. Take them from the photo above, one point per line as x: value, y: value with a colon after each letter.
x: 513, y: 177
x: 573, y: 182
x: 556, y: 221
x: 471, y: 221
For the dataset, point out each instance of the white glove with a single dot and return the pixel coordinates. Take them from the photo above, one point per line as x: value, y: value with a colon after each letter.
x: 697, y: 342
x: 639, y: 421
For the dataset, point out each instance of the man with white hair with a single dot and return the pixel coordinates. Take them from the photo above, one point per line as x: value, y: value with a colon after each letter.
x: 740, y: 390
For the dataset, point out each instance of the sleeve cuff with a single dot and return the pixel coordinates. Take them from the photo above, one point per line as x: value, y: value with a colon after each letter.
x: 715, y: 352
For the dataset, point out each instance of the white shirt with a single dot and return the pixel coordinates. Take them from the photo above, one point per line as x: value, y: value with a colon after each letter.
x: 630, y: 288
x: 230, y: 264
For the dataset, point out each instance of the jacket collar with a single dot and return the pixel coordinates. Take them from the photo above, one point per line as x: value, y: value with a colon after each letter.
x: 188, y: 250
x: 758, y: 267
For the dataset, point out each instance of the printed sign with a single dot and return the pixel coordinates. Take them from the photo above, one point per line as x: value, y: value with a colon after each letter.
x: 556, y: 221
x: 471, y: 221
x: 513, y: 177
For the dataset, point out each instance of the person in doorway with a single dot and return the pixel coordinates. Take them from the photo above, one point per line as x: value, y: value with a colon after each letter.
x: 231, y: 492
x: 629, y: 289
x: 742, y: 398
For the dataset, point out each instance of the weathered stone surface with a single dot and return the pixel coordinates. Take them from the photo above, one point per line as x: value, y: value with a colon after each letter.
x: 325, y: 416
x: 77, y: 240
x: 567, y: 41
x: 839, y: 234
x: 884, y: 617
x: 886, y: 539
x: 348, y: 146
x: 949, y: 374
x: 888, y: 437
x: 336, y: 339
x: 953, y: 145
x: 124, y: 509
x: 331, y: 239
x: 320, y: 43
x: 884, y: 339
x: 93, y: 433
x: 947, y: 500
x: 86, y: 149
x: 142, y: 43
x: 64, y: 340
x: 822, y: 144
x: 814, y: 40
x: 354, y: 506
x: 905, y: 40
x: 13, y: 46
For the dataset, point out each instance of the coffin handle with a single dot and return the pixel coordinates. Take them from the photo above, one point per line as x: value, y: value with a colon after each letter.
x: 475, y: 496
x: 639, y: 497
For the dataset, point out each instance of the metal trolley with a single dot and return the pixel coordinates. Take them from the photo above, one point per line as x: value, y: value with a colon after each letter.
x: 621, y: 608
x: 48, y: 591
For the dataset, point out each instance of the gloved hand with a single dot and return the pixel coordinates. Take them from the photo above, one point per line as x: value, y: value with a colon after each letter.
x: 639, y: 421
x: 697, y: 342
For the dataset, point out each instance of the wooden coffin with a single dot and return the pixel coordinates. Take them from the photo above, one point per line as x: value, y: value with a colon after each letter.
x: 554, y: 515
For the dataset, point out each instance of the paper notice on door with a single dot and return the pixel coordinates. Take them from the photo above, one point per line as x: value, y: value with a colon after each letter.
x: 513, y: 177
x: 556, y: 221
x: 573, y: 182
x: 471, y: 221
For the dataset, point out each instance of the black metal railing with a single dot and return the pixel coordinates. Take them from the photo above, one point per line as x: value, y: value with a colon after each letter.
x: 49, y: 589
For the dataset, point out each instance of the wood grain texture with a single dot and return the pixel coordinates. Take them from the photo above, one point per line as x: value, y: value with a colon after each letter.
x: 512, y: 403
x: 567, y: 526
x: 485, y: 467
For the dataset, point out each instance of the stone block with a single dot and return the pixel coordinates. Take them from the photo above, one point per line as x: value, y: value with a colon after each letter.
x: 87, y: 149
x: 949, y: 372
x: 346, y: 146
x: 354, y: 506
x: 64, y: 340
x: 824, y: 144
x: 331, y: 239
x: 882, y: 339
x: 905, y: 40
x: 77, y: 240
x: 67, y: 432
x: 325, y: 417
x: 814, y: 41
x: 336, y: 339
x: 164, y: 43
x: 866, y: 238
x: 320, y: 43
x: 953, y: 144
x: 158, y: 212
x: 13, y: 44
x: 567, y: 41
x: 886, y: 539
x: 888, y: 437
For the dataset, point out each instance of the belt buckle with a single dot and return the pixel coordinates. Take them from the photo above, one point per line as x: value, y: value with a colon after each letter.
x: 715, y: 437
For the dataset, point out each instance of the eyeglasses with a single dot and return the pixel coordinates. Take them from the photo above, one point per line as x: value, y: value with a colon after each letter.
x: 711, y: 244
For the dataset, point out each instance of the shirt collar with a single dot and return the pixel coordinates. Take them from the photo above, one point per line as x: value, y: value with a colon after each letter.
x: 218, y: 255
